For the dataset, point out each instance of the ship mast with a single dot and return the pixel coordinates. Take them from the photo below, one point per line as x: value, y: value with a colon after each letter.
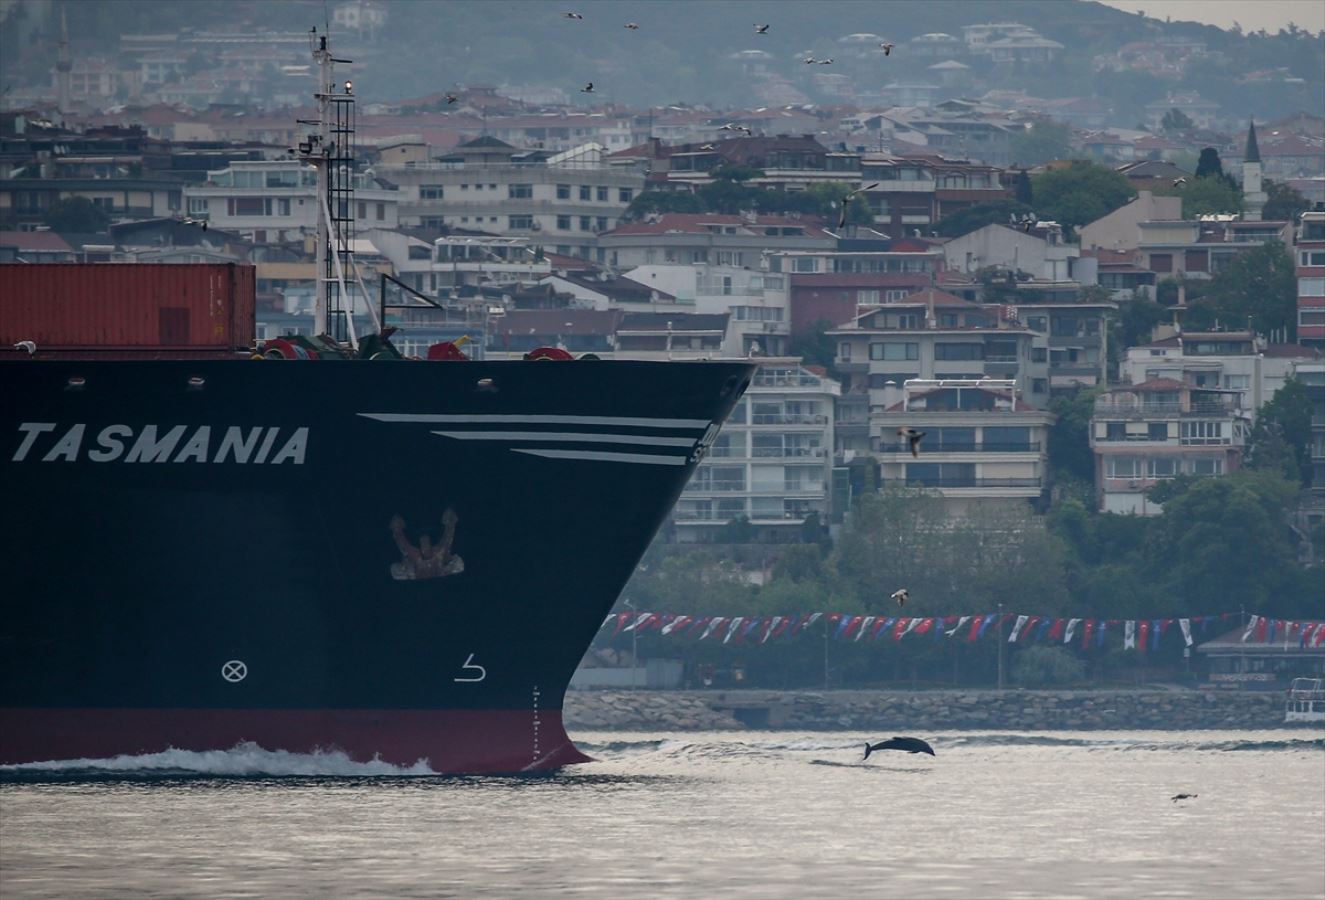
x: 330, y: 150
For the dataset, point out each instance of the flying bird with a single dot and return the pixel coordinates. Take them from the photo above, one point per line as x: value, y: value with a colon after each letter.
x: 826, y: 62
x: 842, y: 219
x: 913, y: 438
x: 907, y: 744
x: 887, y: 48
x: 587, y: 89
x: 573, y: 15
x: 1178, y: 181
x: 707, y: 147
x: 901, y: 595
x: 1177, y: 797
x: 728, y: 127
x: 809, y: 60
x: 761, y: 29
x: 451, y: 98
x: 633, y: 26
x: 29, y: 346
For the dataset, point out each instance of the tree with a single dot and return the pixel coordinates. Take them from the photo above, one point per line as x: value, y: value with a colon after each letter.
x: 1044, y: 141
x: 1209, y: 163
x: 1259, y: 285
x: 1080, y: 193
x: 76, y: 215
x: 1283, y: 429
x: 964, y: 221
x: 1069, y: 437
x: 1283, y: 202
x: 815, y: 346
x: 1175, y: 120
x: 1208, y: 195
x: 1024, y: 193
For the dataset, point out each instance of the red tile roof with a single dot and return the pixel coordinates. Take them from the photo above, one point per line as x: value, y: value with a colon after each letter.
x: 42, y: 241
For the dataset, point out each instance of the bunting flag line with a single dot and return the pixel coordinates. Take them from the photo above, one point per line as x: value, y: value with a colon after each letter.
x: 1016, y: 629
x: 1071, y: 630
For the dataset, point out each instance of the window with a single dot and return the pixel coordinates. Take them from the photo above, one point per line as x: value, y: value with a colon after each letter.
x: 520, y: 223
x: 625, y: 195
x: 951, y: 438
x: 197, y: 205
x: 1202, y: 433
x: 1211, y: 466
x: 1122, y: 467
x: 954, y: 352
x: 1037, y: 323
x: 283, y: 206
x: 361, y: 211
x: 1161, y: 262
x: 1115, y: 431
x: 1311, y: 317
x: 247, y: 206
x: 1157, y: 431
x: 380, y: 212
x: 601, y: 223
x: 430, y: 191
x: 1311, y: 287
x: 1163, y: 467
x: 804, y: 264
x: 1039, y: 385
x: 563, y: 223
x: 844, y: 352
x: 1237, y: 382
x: 1313, y: 257
x: 520, y: 191
x: 586, y: 223
x: 1006, y: 437
x: 1039, y: 354
x: 586, y: 192
x: 602, y: 194
x: 941, y: 474
x: 563, y: 192
x: 895, y: 350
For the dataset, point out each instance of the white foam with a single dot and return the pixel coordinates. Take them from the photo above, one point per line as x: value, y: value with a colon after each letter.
x: 243, y: 760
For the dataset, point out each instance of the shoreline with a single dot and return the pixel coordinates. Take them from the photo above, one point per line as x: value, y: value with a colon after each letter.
x: 950, y: 710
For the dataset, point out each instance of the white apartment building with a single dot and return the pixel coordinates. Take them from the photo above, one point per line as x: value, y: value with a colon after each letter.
x: 771, y: 463
x: 274, y: 201
x: 1236, y: 361
x: 758, y: 303
x: 561, y: 202
x: 1158, y: 429
x: 983, y: 444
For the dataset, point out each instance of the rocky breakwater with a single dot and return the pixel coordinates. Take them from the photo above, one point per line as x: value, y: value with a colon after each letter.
x: 934, y: 710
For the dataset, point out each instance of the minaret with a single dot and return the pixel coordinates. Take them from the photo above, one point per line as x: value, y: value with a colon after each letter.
x: 1253, y: 197
x: 62, y: 67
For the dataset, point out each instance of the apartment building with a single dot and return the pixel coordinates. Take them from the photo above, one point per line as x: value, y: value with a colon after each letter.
x: 1158, y: 429
x: 1200, y: 248
x: 772, y: 462
x: 275, y: 201
x: 1311, y: 278
x: 562, y: 202
x: 982, y: 443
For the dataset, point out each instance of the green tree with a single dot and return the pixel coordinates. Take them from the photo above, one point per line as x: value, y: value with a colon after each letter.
x: 1041, y: 665
x: 815, y: 345
x: 1044, y: 141
x: 1283, y: 202
x: 1209, y: 163
x: 77, y: 215
x: 1080, y: 193
x: 1069, y: 437
x: 1260, y: 285
x: 1175, y: 120
x: 964, y: 221
x: 1282, y: 433
x: 1136, y: 321
x: 1203, y: 196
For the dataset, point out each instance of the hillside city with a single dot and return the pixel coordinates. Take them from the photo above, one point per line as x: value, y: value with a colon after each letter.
x: 1089, y: 313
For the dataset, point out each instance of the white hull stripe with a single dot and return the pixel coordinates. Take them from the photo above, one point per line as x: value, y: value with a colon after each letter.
x: 569, y: 436
x: 495, y: 419
x: 605, y: 456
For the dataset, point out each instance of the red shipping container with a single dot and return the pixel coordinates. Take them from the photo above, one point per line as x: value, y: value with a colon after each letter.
x: 77, y: 305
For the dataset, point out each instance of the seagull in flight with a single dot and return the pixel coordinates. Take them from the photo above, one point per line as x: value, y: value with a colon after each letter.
x: 761, y: 29
x: 30, y: 347
x: 587, y: 89
x: 633, y: 26
x: 842, y: 219
x: 451, y: 98
x: 913, y: 438
x: 573, y: 15
x: 1178, y: 181
x: 1177, y: 797
x: 707, y: 147
x: 826, y: 62
x: 887, y: 48
x: 900, y: 595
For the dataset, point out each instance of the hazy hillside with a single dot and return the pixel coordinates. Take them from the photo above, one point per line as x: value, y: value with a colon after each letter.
x: 682, y: 50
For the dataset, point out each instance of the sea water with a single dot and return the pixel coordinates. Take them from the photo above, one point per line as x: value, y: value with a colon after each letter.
x: 752, y: 814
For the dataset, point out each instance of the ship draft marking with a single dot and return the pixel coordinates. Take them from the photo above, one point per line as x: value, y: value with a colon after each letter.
x: 234, y: 671
x: 426, y: 560
x: 688, y: 446
x: 470, y: 664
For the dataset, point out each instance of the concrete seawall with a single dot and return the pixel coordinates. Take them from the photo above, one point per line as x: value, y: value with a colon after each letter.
x: 934, y: 710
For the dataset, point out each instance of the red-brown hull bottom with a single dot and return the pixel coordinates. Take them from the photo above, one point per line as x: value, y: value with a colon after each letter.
x: 451, y: 741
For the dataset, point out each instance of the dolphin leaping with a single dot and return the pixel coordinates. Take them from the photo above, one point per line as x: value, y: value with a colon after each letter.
x: 909, y: 744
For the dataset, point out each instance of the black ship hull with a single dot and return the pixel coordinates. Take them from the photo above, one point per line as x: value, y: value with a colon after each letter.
x: 398, y: 560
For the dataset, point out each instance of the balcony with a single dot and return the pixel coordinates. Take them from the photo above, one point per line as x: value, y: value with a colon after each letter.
x: 974, y: 482
x: 1113, y: 409
x: 787, y: 419
x: 972, y: 447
